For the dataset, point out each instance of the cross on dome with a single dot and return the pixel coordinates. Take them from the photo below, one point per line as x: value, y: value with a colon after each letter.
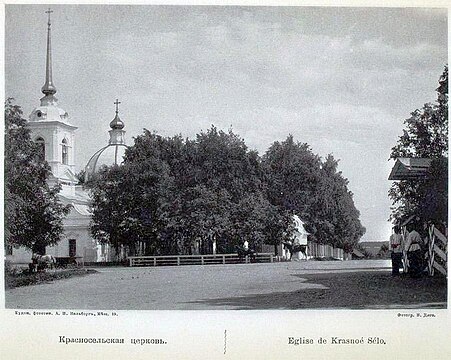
x: 117, y: 123
x: 117, y: 102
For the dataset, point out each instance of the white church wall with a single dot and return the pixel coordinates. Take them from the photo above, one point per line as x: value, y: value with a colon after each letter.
x: 85, y: 247
x: 19, y: 256
x: 76, y: 227
x: 53, y: 133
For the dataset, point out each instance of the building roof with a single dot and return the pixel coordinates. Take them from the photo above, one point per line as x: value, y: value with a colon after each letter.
x: 357, y: 253
x: 373, y: 247
x: 410, y: 168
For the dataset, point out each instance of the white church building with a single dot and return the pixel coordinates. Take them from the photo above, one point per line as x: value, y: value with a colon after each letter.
x: 52, y: 129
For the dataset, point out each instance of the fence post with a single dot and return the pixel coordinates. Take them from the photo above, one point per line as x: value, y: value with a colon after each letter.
x: 131, y: 264
x: 223, y: 259
x: 271, y: 258
x: 178, y: 260
x: 431, y: 250
x: 154, y: 261
x: 202, y: 260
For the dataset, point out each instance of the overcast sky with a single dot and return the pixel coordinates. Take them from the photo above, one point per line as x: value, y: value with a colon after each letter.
x: 341, y: 79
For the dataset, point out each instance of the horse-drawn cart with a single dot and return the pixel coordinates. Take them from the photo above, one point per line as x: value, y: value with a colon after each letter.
x: 68, y: 261
x: 43, y: 262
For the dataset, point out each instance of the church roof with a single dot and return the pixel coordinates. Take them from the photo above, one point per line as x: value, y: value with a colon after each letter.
x: 82, y: 209
x: 117, y: 123
x: 112, y: 154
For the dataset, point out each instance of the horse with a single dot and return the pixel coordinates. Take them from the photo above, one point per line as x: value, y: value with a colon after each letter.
x: 242, y: 253
x: 298, y: 240
x: 295, y: 248
x: 42, y: 262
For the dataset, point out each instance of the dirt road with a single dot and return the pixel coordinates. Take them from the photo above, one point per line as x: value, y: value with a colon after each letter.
x: 294, y: 285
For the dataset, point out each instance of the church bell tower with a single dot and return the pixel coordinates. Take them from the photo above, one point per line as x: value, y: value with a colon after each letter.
x: 51, y: 129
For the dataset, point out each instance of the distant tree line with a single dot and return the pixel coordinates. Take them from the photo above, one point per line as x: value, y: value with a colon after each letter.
x: 175, y: 196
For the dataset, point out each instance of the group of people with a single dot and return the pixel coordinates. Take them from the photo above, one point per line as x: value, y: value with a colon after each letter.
x: 413, y: 245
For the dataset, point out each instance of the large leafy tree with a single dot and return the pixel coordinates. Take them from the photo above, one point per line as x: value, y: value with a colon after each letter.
x: 425, y: 136
x: 337, y: 210
x: 129, y: 204
x: 33, y: 212
x: 222, y: 163
x: 299, y: 182
x: 293, y: 173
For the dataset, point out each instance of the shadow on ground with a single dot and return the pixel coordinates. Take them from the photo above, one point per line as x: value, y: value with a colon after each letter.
x: 352, y: 290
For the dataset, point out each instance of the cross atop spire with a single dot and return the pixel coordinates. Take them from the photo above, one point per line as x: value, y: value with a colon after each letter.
x: 48, y: 89
x: 117, y: 102
x: 49, y: 11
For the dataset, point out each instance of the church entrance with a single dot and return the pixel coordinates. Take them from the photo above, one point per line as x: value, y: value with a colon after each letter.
x: 72, y: 247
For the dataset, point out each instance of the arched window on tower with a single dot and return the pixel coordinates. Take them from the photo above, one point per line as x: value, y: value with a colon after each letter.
x: 41, y: 148
x: 65, y: 152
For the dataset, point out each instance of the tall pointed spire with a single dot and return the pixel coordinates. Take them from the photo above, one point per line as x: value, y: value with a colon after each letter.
x: 48, y: 89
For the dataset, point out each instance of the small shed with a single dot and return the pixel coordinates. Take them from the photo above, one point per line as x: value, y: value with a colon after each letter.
x: 357, y: 254
x: 410, y: 168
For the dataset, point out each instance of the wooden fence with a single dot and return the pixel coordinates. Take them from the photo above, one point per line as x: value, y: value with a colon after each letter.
x: 178, y: 260
x: 324, y: 251
x: 436, y: 255
x: 314, y: 250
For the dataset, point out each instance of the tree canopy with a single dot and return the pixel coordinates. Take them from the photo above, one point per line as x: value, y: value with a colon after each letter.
x: 176, y: 195
x: 300, y: 182
x: 425, y: 136
x: 33, y: 212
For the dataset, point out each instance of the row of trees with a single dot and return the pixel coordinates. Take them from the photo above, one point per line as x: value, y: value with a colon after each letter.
x: 175, y: 195
x: 425, y: 136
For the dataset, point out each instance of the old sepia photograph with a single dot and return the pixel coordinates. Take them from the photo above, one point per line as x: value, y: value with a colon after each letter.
x: 170, y: 157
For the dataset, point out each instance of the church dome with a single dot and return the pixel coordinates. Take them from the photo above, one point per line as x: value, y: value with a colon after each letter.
x: 49, y: 113
x: 117, y: 123
x: 113, y: 153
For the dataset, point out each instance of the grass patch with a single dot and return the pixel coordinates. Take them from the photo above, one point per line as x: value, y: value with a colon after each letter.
x: 24, y: 278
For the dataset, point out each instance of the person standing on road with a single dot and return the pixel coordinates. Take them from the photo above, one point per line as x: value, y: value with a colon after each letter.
x: 396, y: 250
x: 413, y: 247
